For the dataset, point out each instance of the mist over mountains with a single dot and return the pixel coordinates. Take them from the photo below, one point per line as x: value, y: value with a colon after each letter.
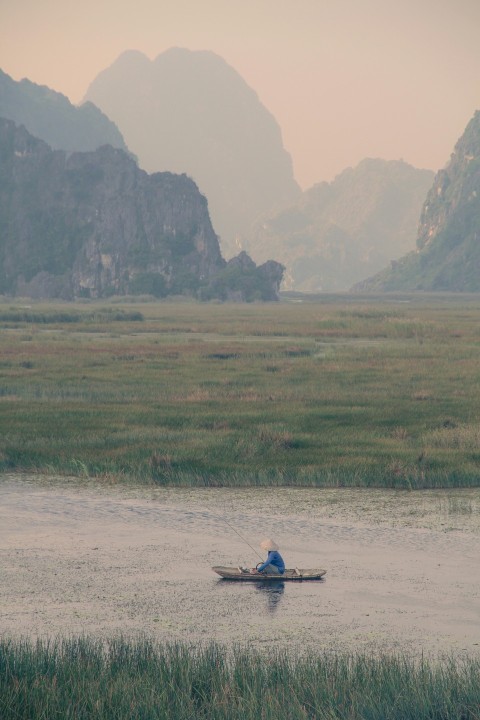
x: 190, y: 112
x: 49, y: 115
x: 447, y: 254
x: 93, y: 224
x: 338, y: 233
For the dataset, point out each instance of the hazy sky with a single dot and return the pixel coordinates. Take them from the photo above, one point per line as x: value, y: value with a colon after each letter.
x: 345, y: 79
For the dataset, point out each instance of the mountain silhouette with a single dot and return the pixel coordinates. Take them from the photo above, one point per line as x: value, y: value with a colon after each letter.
x: 93, y: 224
x: 447, y: 254
x: 50, y: 116
x: 339, y: 233
x: 190, y: 112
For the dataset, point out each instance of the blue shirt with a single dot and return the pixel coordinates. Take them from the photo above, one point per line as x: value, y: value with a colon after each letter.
x: 274, y: 558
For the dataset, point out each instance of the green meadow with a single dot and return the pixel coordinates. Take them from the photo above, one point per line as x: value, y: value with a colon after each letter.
x: 138, y: 680
x: 328, y: 391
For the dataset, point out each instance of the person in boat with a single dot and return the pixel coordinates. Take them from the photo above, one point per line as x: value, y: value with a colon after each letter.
x: 274, y: 564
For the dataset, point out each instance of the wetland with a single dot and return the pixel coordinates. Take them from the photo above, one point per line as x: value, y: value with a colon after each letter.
x: 80, y: 557
x: 327, y: 394
x: 143, y: 443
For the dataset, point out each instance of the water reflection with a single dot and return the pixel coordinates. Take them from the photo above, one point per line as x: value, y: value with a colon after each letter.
x: 273, y: 591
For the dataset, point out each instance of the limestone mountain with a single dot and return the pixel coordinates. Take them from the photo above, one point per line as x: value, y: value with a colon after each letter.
x: 447, y: 254
x: 93, y: 224
x: 341, y: 232
x: 190, y: 112
x: 50, y: 116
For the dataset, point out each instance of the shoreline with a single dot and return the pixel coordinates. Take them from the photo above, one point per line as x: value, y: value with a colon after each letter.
x: 137, y: 561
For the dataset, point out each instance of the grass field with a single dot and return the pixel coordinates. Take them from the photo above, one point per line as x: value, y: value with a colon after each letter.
x: 330, y: 392
x: 77, y: 679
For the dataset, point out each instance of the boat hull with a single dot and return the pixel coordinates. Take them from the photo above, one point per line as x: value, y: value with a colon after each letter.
x: 244, y: 574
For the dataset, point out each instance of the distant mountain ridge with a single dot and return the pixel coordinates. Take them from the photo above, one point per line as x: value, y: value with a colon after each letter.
x: 190, y: 112
x: 447, y: 255
x: 50, y: 116
x: 338, y: 233
x: 93, y: 224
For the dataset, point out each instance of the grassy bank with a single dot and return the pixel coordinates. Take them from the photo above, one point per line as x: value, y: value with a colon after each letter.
x: 76, y: 679
x: 324, y: 393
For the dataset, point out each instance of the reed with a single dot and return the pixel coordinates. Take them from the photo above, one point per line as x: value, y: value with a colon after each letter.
x: 323, y: 393
x: 84, y: 678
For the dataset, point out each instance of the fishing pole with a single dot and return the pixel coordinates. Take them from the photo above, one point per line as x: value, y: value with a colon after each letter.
x: 223, y: 519
x: 240, y: 536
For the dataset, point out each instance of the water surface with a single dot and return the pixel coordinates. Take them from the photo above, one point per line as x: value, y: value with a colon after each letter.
x: 403, y: 568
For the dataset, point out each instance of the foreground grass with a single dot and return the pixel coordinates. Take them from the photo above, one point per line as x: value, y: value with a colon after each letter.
x: 325, y: 393
x: 82, y: 678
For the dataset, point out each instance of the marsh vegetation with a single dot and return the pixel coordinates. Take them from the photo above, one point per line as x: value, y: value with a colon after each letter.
x: 82, y: 678
x: 332, y: 392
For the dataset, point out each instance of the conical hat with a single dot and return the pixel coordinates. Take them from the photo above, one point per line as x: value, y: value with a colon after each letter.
x: 268, y: 544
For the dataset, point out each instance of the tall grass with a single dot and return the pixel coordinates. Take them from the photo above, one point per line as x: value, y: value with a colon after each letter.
x: 111, y: 680
x: 321, y: 393
x: 14, y: 315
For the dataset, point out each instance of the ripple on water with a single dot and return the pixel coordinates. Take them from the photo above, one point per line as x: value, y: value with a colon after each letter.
x: 82, y: 557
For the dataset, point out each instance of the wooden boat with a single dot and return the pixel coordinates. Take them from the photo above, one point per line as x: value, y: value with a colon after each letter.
x: 240, y: 573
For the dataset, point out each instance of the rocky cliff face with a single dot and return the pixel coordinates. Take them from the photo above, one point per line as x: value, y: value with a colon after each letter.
x: 242, y: 280
x: 50, y: 116
x: 190, y: 112
x: 338, y: 233
x: 93, y: 224
x: 447, y: 255
x: 455, y: 189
